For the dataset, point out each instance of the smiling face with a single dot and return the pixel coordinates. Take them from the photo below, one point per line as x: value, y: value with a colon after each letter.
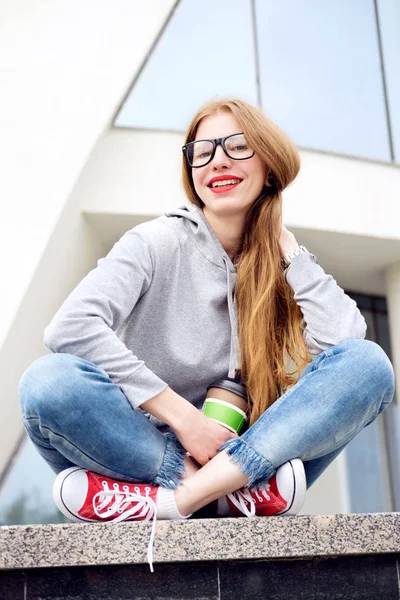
x: 250, y: 175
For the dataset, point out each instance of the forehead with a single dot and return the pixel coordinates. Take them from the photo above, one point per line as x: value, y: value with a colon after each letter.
x: 219, y: 125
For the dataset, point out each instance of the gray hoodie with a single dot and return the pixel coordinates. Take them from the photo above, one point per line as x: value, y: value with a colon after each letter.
x: 159, y: 310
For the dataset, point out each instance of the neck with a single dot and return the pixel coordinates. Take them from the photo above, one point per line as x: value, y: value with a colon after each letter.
x: 228, y: 229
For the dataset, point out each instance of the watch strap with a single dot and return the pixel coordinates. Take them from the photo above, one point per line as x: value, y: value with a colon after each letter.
x: 287, y: 259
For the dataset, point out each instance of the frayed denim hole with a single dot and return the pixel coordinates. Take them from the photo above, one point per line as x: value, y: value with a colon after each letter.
x: 257, y: 468
x: 172, y: 469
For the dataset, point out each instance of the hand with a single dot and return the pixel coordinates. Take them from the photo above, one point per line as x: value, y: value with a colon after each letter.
x: 287, y: 241
x: 201, y: 436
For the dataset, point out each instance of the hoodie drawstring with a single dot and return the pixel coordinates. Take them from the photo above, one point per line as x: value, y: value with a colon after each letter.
x: 234, y: 357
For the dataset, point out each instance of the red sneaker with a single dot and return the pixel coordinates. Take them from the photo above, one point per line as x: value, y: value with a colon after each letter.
x: 82, y: 495
x: 284, y: 494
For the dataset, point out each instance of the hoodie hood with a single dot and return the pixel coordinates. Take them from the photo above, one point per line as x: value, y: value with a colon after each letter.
x: 203, y: 236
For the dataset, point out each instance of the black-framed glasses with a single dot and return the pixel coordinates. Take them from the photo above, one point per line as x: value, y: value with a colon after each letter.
x: 201, y: 152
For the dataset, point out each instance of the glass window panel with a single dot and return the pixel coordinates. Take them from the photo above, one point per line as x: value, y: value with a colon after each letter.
x: 367, y: 470
x: 389, y: 19
x: 392, y: 423
x: 206, y: 50
x: 380, y: 304
x: 363, y: 302
x: 371, y: 330
x: 382, y: 326
x: 371, y: 477
x: 26, y: 493
x: 321, y: 76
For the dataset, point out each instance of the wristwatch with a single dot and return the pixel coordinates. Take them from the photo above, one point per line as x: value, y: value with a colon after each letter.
x: 286, y: 260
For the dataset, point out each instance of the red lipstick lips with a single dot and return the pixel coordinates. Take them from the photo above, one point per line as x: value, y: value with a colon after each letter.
x: 224, y: 177
x: 224, y: 188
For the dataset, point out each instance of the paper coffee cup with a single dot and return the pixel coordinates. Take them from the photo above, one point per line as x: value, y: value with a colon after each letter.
x: 225, y: 413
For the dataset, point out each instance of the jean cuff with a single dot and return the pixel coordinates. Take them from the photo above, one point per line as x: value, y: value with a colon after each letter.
x: 172, y: 467
x: 257, y: 468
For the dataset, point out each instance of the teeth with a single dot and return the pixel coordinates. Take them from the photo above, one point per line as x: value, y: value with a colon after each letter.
x: 225, y: 182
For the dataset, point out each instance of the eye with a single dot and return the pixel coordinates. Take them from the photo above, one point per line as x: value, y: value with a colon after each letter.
x: 239, y: 147
x: 204, y: 154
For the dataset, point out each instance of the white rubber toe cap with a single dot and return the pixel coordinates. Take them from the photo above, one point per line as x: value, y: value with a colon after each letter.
x: 292, y: 485
x: 69, y: 492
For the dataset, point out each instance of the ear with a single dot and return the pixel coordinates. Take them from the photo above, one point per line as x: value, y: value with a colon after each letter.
x: 269, y: 182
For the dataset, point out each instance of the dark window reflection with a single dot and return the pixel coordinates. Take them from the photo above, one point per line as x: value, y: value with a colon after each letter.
x: 372, y: 477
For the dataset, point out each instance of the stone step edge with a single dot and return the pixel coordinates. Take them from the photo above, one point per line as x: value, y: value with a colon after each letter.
x: 65, y: 545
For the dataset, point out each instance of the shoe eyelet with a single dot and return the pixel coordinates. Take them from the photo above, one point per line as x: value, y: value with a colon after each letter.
x: 115, y: 486
x: 125, y: 488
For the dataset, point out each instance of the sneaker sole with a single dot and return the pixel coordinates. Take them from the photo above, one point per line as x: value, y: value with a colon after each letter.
x: 57, y: 496
x: 299, y: 488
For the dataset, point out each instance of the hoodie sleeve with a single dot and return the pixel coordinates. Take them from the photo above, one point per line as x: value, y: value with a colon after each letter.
x: 330, y: 316
x: 86, y: 323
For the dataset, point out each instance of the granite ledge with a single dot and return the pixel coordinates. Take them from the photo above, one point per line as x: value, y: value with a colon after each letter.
x: 305, y: 536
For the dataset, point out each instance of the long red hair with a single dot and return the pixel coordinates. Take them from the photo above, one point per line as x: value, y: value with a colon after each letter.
x: 269, y: 320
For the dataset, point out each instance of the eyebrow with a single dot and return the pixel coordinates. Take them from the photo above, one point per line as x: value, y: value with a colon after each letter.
x: 218, y: 138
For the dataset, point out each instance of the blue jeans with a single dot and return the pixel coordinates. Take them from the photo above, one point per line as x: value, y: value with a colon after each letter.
x: 75, y: 415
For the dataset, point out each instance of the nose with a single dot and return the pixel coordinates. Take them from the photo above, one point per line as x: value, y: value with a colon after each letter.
x: 220, y: 160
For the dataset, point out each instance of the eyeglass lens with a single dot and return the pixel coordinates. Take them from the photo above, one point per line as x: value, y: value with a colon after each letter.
x: 200, y: 152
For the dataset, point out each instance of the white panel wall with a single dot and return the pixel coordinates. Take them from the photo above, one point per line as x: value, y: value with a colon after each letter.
x: 336, y: 193
x: 64, y: 68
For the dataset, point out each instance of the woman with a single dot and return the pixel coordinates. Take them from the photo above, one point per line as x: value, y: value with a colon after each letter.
x: 195, y: 295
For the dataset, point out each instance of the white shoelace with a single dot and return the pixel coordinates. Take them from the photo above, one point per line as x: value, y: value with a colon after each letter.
x: 242, y: 498
x: 145, y: 508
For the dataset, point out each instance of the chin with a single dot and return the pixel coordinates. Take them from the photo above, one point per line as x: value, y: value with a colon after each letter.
x: 226, y: 207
